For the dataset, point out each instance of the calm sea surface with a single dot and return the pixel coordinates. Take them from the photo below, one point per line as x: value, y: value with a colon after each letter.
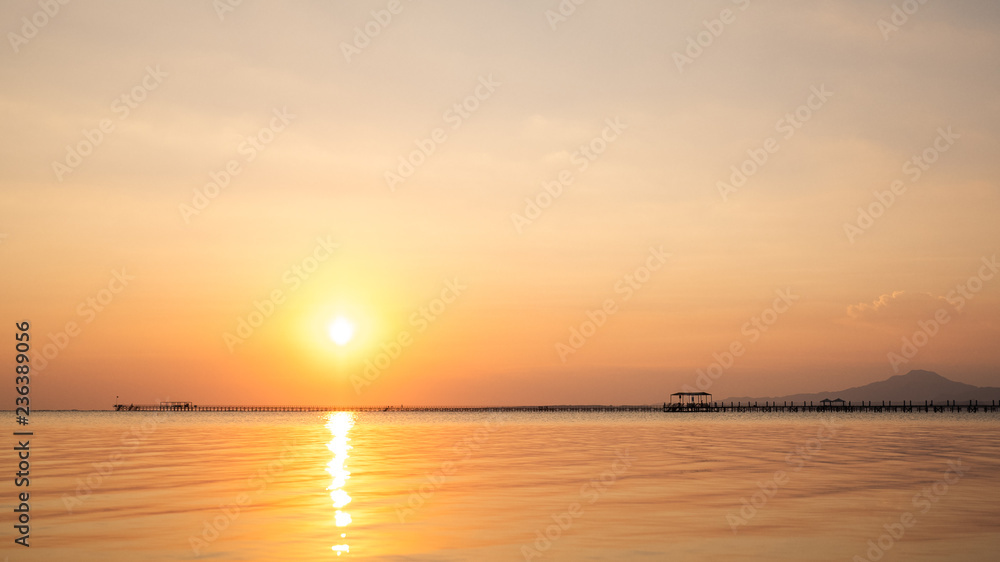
x: 523, y: 486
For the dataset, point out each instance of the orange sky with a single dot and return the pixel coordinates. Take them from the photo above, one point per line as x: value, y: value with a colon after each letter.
x: 608, y: 207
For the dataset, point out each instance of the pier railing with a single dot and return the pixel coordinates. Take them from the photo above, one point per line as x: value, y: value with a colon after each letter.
x: 972, y: 406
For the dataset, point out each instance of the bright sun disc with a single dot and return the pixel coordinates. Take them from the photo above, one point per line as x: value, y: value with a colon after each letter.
x: 341, y: 331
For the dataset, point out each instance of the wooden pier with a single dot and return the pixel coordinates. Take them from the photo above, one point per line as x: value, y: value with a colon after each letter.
x: 973, y: 406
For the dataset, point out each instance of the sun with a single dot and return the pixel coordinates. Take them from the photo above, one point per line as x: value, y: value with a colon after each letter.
x: 341, y: 331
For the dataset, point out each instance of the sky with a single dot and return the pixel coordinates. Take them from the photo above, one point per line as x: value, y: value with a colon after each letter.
x: 509, y: 202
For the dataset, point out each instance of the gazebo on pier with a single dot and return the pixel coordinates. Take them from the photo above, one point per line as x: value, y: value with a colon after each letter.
x: 689, y: 402
x: 834, y: 403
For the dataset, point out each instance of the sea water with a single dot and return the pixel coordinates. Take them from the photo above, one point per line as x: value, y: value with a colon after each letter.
x: 508, y: 486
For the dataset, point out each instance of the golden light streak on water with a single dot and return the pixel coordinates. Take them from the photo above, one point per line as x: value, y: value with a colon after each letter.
x: 339, y: 424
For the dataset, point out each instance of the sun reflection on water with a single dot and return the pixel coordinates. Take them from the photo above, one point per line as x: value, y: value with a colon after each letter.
x: 339, y: 424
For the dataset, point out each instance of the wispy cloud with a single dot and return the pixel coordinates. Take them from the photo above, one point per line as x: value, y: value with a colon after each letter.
x: 898, y: 305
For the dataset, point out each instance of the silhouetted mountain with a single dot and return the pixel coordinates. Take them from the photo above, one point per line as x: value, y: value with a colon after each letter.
x: 915, y: 385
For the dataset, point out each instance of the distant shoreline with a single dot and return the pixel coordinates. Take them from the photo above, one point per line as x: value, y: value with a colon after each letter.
x: 929, y: 406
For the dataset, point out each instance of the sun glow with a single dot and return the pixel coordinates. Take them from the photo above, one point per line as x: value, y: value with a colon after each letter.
x: 341, y: 331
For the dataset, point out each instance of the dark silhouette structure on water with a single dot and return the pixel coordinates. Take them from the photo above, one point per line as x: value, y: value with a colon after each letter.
x: 686, y: 403
x: 689, y: 402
